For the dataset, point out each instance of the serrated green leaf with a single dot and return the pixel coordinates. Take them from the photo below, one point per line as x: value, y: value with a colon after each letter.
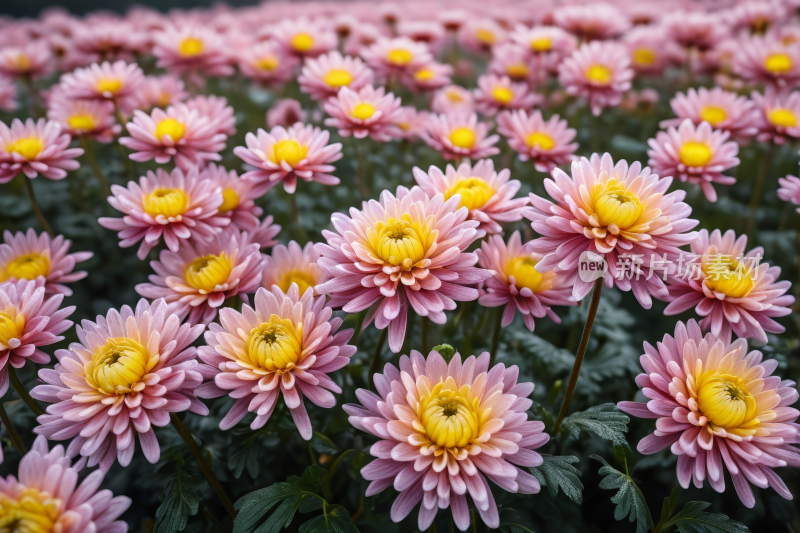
x: 335, y: 520
x: 605, y: 420
x: 322, y: 444
x: 178, y: 503
x: 692, y: 519
x: 557, y: 472
x: 252, y: 507
x: 629, y: 499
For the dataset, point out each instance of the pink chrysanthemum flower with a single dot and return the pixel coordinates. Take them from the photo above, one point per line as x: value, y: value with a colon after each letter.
x: 547, y: 143
x: 216, y: 110
x: 718, y: 407
x: 453, y: 100
x: 324, y: 76
x: 197, y: 279
x: 33, y: 59
x: 480, y: 35
x: 615, y: 211
x: 487, y: 194
x: 599, y: 71
x: 32, y: 257
x: 446, y: 430
x: 238, y: 200
x: 90, y: 118
x: 755, y: 16
x: 264, y: 235
x: 48, y: 497
x: 405, y: 249
x: 495, y: 93
x: 178, y: 206
x: 127, y: 373
x: 694, y: 154
x: 286, y: 345
x: 118, y: 81
x: 391, y: 57
x: 368, y: 112
x: 651, y: 50
x: 789, y: 190
x: 778, y: 115
x: 267, y: 63
x: 28, y: 322
x: 723, y: 110
x: 429, y: 32
x: 695, y: 29
x: 161, y: 91
x: 192, y: 48
x: 410, y: 123
x: 516, y: 284
x: 767, y: 60
x: 732, y: 289
x: 304, y: 37
x: 179, y: 132
x: 292, y: 264
x: 286, y: 154
x: 35, y: 148
x: 458, y: 136
x: 428, y: 77
x: 100, y: 39
x: 8, y: 96
x: 592, y: 21
x: 516, y: 62
x: 542, y: 40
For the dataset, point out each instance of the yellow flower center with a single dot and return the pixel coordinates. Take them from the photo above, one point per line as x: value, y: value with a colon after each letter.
x: 782, y: 117
x: 268, y: 63
x: 450, y: 417
x: 463, y: 138
x: 599, y: 74
x: 290, y: 151
x: 542, y: 44
x: 725, y: 400
x: 542, y: 140
x: 304, y: 279
x: 29, y: 511
x: 119, y: 366
x: 485, y: 36
x: 27, y: 266
x: 713, y: 115
x: 644, y: 56
x: 28, y: 147
x: 171, y: 127
x: 363, y: 111
x: 274, y: 346
x: 778, y: 63
x: 191, y: 46
x: 12, y: 326
x: 209, y: 271
x: 726, y: 275
x: 302, y: 42
x: 401, y: 242
x: 399, y: 57
x: 425, y: 74
x: 109, y: 85
x: 614, y: 204
x: 517, y: 71
x: 166, y: 202
x: 502, y: 95
x: 474, y: 191
x: 525, y: 274
x: 21, y: 62
x: 695, y: 154
x: 230, y: 200
x: 81, y: 122
x: 338, y: 78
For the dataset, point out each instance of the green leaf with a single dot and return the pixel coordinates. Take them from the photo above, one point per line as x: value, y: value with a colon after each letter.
x: 322, y: 444
x: 606, y: 421
x: 252, y: 507
x: 692, y: 519
x: 335, y: 520
x: 557, y: 472
x: 668, y: 509
x: 282, y: 516
x: 514, y: 528
x: 178, y: 504
x: 629, y: 499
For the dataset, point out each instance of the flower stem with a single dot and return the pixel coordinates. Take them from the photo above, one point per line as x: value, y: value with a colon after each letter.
x: 359, y: 325
x: 376, y: 357
x: 35, y: 205
x: 301, y: 231
x: 761, y: 177
x: 576, y: 367
x: 12, y: 432
x: 496, y: 336
x: 201, y: 461
x: 424, y: 327
x: 20, y: 388
x: 363, y: 189
x: 98, y: 172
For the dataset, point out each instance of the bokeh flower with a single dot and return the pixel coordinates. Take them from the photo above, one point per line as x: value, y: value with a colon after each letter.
x: 33, y: 59
x: 192, y: 48
x: 36, y: 147
x: 392, y: 57
x: 767, y: 60
x: 479, y: 35
x: 429, y: 77
x: 216, y: 110
x: 651, y: 50
x: 267, y: 63
x: 304, y: 37
x: 285, y: 112
x: 368, y: 112
x: 324, y: 76
x: 90, y: 118
x: 119, y: 82
x: 722, y: 109
x: 547, y: 143
x: 292, y: 264
x: 161, y: 91
x: 8, y: 96
x: 598, y: 71
x: 591, y: 21
x: 789, y: 190
x: 778, y: 118
x: 453, y: 100
x: 457, y: 136
x: 496, y: 93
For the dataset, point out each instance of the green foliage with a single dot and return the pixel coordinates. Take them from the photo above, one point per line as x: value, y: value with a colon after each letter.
x: 558, y: 473
x: 446, y: 351
x: 179, y: 502
x: 693, y: 519
x: 336, y: 519
x: 606, y: 421
x: 514, y: 528
x: 629, y: 499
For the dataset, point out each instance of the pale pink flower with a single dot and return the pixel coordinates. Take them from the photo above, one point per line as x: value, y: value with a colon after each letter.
x: 238, y: 200
x: 789, y: 190
x: 723, y: 110
x: 757, y: 16
x: 35, y: 148
x: 694, y: 154
x: 495, y: 93
x: 368, y: 112
x: 32, y: 59
x: 178, y: 206
x: 107, y: 40
x: 324, y: 76
x: 548, y: 143
x: 161, y: 91
x: 599, y: 71
x: 292, y: 264
x: 409, y: 123
x: 428, y: 77
x: 767, y: 60
x: 487, y: 194
x: 216, y: 110
x: 432, y: 456
x: 285, y: 112
x: 429, y: 32
x: 180, y: 132
x: 34, y: 257
x: 267, y: 63
x: 516, y: 284
x: 264, y: 234
x: 778, y: 118
x: 119, y: 82
x: 732, y: 289
x: 304, y: 37
x: 427, y: 267
x: 48, y: 497
x: 129, y: 371
x: 363, y: 36
x: 28, y: 322
x: 284, y: 155
x: 540, y: 40
x: 618, y: 212
x: 90, y: 118
x: 695, y: 29
x: 516, y: 61
x: 717, y: 407
x: 457, y: 136
x: 480, y: 35
x: 8, y: 96
x: 592, y: 21
x: 192, y: 48
x: 651, y: 50
x: 453, y: 100
x: 391, y: 57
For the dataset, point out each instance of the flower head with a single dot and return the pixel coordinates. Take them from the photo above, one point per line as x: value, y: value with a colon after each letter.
x: 428, y: 77
x: 389, y: 57
x: 444, y: 430
x: 91, y: 118
x: 128, y: 372
x: 496, y: 93
x: 118, y: 81
x: 35, y: 148
x: 548, y: 143
x: 453, y: 100
x: 286, y: 345
x: 161, y: 91
x: 479, y: 35
x: 543, y: 40
x: 33, y: 59
x: 216, y: 110
x: 778, y: 118
x: 292, y: 265
x: 368, y: 112
x: 789, y: 190
x: 717, y: 407
x: 192, y: 47
x: 324, y: 76
x: 598, y: 71
x: 767, y: 60
x: 285, y: 112
x: 516, y: 62
x: 695, y: 29
x: 723, y: 110
x: 457, y: 136
x: 304, y: 37
x: 238, y: 200
x: 651, y: 50
x: 592, y: 21
x: 267, y: 63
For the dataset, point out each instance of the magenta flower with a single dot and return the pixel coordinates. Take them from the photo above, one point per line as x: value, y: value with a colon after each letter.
x: 127, y: 373
x: 778, y: 115
x: 789, y: 190
x: 696, y: 155
x: 598, y: 71
x: 192, y: 48
x: 267, y: 63
x: 496, y: 93
x: 405, y: 249
x: 731, y: 289
x: 717, y: 407
x: 723, y: 110
x: 445, y: 430
x: 457, y: 136
x: 35, y: 148
x: 178, y: 206
x: 304, y: 37
x: 548, y: 143
x: 368, y: 112
x: 324, y: 76
x: 238, y: 200
x: 286, y: 345
x: 767, y: 60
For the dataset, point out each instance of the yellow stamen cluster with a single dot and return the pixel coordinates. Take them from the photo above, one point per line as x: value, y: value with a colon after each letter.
x: 119, y: 366
x: 542, y: 44
x: 450, y: 417
x: 401, y: 242
x: 542, y: 140
x: 27, y: 266
x: 644, y: 56
x: 268, y: 63
x: 613, y: 204
x: 463, y: 138
x: 485, y: 37
x: 399, y: 57
x: 82, y: 122
x: 363, y: 111
x: 523, y: 269
x: 695, y: 154
x: 21, y: 62
x: 727, y: 275
x: 502, y: 95
x: 338, y: 78
x: 12, y: 326
x: 474, y: 191
x: 206, y: 273
x: 191, y: 46
x: 517, y: 71
x: 290, y: 151
x: 29, y: 511
x: 599, y: 74
x: 167, y: 202
x: 424, y: 74
x: 304, y: 279
x: 302, y: 42
x: 172, y: 127
x: 726, y: 402
x: 109, y: 85
x: 274, y: 346
x: 784, y: 118
x: 778, y: 63
x: 713, y: 114
x: 230, y: 200
x: 28, y: 148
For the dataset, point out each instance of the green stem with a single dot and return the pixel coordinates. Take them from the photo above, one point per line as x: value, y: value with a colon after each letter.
x: 376, y: 357
x: 301, y: 231
x: 451, y: 527
x: 761, y: 177
x: 98, y: 172
x: 363, y: 189
x: 12, y: 432
x: 35, y: 205
x: 20, y: 388
x: 424, y: 328
x: 576, y: 367
x: 359, y: 325
x: 201, y: 461
x: 496, y: 336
